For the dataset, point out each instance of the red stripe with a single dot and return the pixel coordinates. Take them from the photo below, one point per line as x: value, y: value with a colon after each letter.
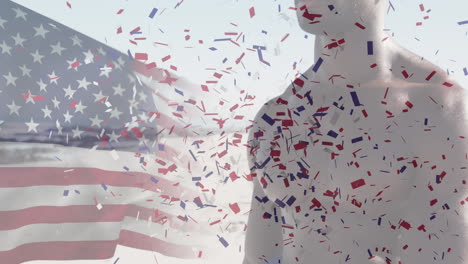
x: 37, y: 176
x: 86, y: 213
x: 88, y: 250
x: 59, y: 250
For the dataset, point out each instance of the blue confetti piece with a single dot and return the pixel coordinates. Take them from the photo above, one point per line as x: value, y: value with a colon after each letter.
x: 425, y: 121
x: 300, y: 108
x: 331, y: 7
x: 266, y: 215
x: 161, y: 147
x: 402, y: 169
x: 196, y: 178
x: 213, y: 49
x: 332, y: 134
x: 309, y: 98
x: 280, y: 203
x: 446, y: 206
x: 182, y: 204
x: 180, y: 108
x: 432, y: 217
x: 65, y: 193
x: 129, y: 54
x: 153, y: 179
x: 223, y: 39
x: 179, y: 92
x: 462, y: 22
x: 104, y: 187
x: 291, y: 200
x: 153, y: 12
x: 317, y: 64
x: 465, y: 71
x: 355, y: 140
x: 379, y: 221
x: 268, y: 119
x: 117, y: 260
x: 355, y: 99
x: 370, y: 253
x: 225, y: 59
x: 198, y: 202
x: 209, y: 174
x: 370, y: 48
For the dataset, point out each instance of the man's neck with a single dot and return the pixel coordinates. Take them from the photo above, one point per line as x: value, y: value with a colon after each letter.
x: 361, y: 58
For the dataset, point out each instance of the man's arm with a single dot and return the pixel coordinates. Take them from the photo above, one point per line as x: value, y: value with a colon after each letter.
x: 264, y: 239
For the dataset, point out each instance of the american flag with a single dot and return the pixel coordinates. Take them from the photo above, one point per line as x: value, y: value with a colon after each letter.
x: 78, y: 136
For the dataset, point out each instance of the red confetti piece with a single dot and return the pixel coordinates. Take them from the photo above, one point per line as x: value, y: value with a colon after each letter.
x: 141, y: 56
x: 234, y: 207
x: 358, y: 183
x: 252, y: 12
x: 430, y: 75
x: 360, y: 26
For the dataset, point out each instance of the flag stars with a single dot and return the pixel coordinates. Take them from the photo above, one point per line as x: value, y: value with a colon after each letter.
x: 30, y: 97
x: 105, y: 71
x: 72, y: 65
x: 98, y: 96
x: 56, y: 102
x: 115, y: 113
x: 118, y: 90
x: 20, y: 13
x: 53, y: 78
x: 96, y: 121
x: 32, y: 126
x: 142, y: 96
x: 18, y: 40
x: 77, y: 132
x: 80, y: 107
x: 42, y: 85
x: 69, y: 92
x: 46, y: 112
x: 76, y: 41
x: 25, y: 70
x: 14, y: 108
x: 114, y: 137
x: 83, y: 83
x: 5, y: 48
x: 40, y: 31
x: 2, y: 22
x: 10, y: 79
x: 89, y: 57
x: 37, y: 57
x: 68, y: 117
x: 57, y: 49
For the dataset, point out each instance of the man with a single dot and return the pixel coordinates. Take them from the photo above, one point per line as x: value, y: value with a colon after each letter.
x: 362, y: 159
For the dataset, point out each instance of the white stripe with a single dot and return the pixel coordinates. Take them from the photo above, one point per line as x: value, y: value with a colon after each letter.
x: 25, y: 197
x: 58, y: 232
x: 181, y: 237
x: 51, y: 155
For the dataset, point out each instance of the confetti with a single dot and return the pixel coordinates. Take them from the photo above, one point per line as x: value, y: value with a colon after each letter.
x: 252, y: 12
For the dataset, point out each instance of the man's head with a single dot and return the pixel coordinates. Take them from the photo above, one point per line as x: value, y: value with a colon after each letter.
x: 336, y: 17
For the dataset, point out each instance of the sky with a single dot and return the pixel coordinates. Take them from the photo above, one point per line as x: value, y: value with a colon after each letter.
x: 439, y: 39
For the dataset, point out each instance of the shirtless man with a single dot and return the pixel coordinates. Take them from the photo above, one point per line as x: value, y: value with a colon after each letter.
x: 362, y: 159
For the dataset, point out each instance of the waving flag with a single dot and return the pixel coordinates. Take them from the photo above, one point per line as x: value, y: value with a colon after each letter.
x: 78, y: 144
